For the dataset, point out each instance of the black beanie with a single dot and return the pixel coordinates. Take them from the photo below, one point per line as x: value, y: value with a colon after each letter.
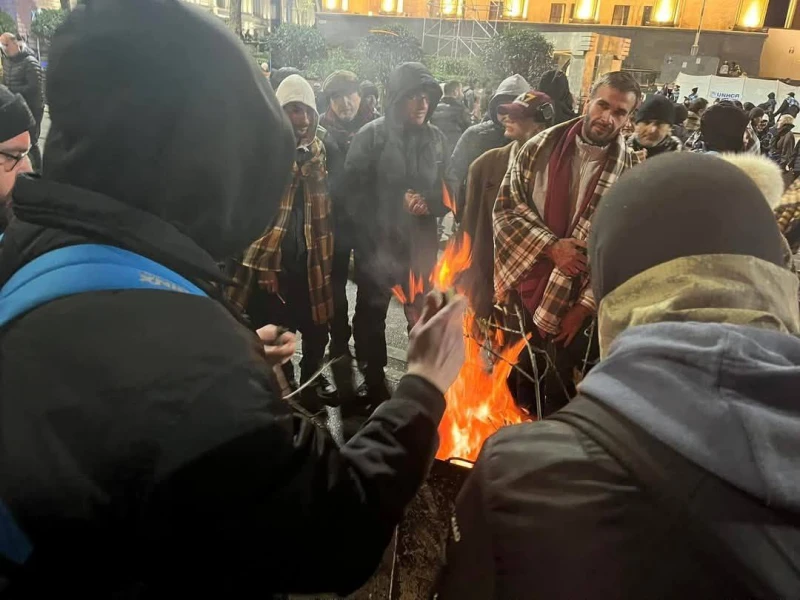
x: 681, y: 114
x: 656, y: 108
x: 340, y: 82
x: 15, y: 116
x: 723, y: 126
x: 677, y: 205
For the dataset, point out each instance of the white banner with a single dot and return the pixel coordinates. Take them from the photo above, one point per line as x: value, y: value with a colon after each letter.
x: 743, y: 89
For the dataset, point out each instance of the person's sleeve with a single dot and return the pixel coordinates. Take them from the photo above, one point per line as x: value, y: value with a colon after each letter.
x: 33, y: 79
x: 435, y: 198
x: 521, y: 237
x: 457, y: 169
x: 586, y: 298
x: 469, y: 569
x: 280, y: 504
x: 355, y: 184
x: 334, y: 158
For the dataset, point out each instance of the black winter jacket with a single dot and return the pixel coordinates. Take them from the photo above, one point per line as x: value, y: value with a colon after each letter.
x: 385, y: 160
x: 147, y: 450
x: 453, y: 119
x: 22, y: 74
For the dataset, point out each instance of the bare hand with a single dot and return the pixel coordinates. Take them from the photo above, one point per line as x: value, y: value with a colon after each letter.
x: 571, y: 324
x: 415, y: 204
x: 436, y: 343
x: 567, y: 256
x: 278, y: 347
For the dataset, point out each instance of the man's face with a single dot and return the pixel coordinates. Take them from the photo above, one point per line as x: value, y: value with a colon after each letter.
x: 459, y: 93
x: 300, y: 116
x: 520, y: 130
x: 414, y: 108
x: 345, y: 106
x: 762, y: 125
x: 10, y: 163
x: 650, y: 133
x: 606, y: 113
x: 9, y: 45
x: 370, y: 101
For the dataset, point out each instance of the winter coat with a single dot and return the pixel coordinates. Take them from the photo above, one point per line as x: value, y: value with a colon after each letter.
x: 485, y: 176
x: 146, y: 449
x: 479, y: 138
x: 668, y: 144
x: 22, y: 74
x: 386, y: 159
x: 782, y: 146
x: 548, y: 510
x: 453, y: 119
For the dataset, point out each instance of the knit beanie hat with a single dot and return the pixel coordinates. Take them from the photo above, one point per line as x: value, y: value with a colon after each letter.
x: 15, y: 116
x: 656, y: 108
x: 340, y: 82
x: 681, y: 114
x: 367, y: 88
x: 723, y: 126
x: 650, y: 217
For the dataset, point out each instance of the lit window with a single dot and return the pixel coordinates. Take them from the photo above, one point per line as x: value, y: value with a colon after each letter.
x: 516, y: 9
x: 664, y: 12
x: 751, y: 14
x: 586, y: 10
x: 336, y: 5
x: 392, y: 6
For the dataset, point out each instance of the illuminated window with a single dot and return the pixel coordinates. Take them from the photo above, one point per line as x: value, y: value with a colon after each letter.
x: 557, y: 12
x: 664, y: 12
x: 247, y: 7
x: 391, y: 6
x: 585, y: 11
x: 336, y: 5
x: 449, y: 8
x: 621, y: 14
x: 751, y: 14
x: 516, y: 9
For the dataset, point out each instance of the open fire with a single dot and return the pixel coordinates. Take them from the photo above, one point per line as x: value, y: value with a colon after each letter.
x: 479, y: 402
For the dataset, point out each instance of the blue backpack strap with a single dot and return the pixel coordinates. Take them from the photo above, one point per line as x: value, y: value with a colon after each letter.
x: 65, y: 272
x: 85, y: 268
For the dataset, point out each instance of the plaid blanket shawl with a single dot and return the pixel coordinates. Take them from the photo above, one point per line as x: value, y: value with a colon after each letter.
x: 264, y: 255
x: 521, y: 236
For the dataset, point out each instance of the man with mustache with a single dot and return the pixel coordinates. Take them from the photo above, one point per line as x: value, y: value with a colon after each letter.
x: 541, y: 222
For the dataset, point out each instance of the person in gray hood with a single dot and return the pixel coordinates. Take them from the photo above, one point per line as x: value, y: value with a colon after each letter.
x: 480, y: 138
x: 675, y: 473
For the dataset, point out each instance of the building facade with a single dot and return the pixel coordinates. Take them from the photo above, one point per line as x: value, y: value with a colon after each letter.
x: 256, y: 14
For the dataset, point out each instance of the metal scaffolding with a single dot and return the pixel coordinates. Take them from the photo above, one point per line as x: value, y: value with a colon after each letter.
x: 459, y: 27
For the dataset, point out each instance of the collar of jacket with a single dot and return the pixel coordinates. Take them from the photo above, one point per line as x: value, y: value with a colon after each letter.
x: 50, y: 215
x: 714, y: 288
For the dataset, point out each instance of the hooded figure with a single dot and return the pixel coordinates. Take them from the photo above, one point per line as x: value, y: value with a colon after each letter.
x: 781, y: 148
x: 556, y: 85
x: 396, y: 167
x: 486, y: 135
x: 285, y: 275
x: 673, y: 474
x: 144, y: 436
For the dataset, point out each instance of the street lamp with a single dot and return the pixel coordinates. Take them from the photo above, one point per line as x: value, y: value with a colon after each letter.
x: 696, y: 46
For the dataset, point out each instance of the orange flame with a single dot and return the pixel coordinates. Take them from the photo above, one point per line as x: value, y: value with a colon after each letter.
x: 415, y: 288
x: 479, y: 402
x: 447, y: 199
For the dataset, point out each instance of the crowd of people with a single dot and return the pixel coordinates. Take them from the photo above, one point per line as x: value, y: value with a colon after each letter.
x: 157, y: 440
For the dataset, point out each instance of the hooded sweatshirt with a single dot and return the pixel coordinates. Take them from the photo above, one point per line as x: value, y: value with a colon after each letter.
x: 388, y: 158
x: 555, y: 84
x: 482, y: 137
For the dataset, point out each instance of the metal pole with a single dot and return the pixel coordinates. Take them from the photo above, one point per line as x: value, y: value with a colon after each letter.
x: 790, y: 14
x: 696, y: 46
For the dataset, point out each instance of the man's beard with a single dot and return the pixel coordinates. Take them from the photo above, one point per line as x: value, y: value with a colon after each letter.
x: 593, y: 139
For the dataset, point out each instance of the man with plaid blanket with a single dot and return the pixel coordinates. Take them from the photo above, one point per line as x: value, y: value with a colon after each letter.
x: 285, y: 275
x: 542, y: 219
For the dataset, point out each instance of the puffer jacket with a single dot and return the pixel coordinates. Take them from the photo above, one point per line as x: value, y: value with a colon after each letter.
x: 22, y: 74
x: 486, y: 135
x: 453, y: 119
x: 385, y: 160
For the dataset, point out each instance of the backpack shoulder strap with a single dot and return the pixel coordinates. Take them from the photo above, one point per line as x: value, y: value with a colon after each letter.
x: 84, y: 268
x: 730, y: 528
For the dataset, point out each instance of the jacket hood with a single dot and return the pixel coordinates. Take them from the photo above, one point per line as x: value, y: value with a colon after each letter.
x: 187, y: 129
x: 718, y: 385
x: 509, y: 88
x: 405, y: 79
x: 296, y: 89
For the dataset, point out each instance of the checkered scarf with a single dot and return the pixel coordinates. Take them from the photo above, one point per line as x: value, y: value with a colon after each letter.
x: 521, y: 235
x: 264, y: 255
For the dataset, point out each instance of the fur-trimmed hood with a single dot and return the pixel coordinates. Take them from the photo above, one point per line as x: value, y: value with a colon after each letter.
x: 764, y: 172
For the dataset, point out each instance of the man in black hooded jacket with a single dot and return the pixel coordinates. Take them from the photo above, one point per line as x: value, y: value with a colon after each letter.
x: 146, y: 451
x: 395, y: 167
x: 673, y: 474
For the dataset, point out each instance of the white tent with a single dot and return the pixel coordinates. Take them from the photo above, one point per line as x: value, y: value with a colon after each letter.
x: 744, y: 89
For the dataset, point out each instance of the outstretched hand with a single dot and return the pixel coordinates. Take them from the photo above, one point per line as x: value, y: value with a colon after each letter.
x: 279, y: 345
x: 436, y: 343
